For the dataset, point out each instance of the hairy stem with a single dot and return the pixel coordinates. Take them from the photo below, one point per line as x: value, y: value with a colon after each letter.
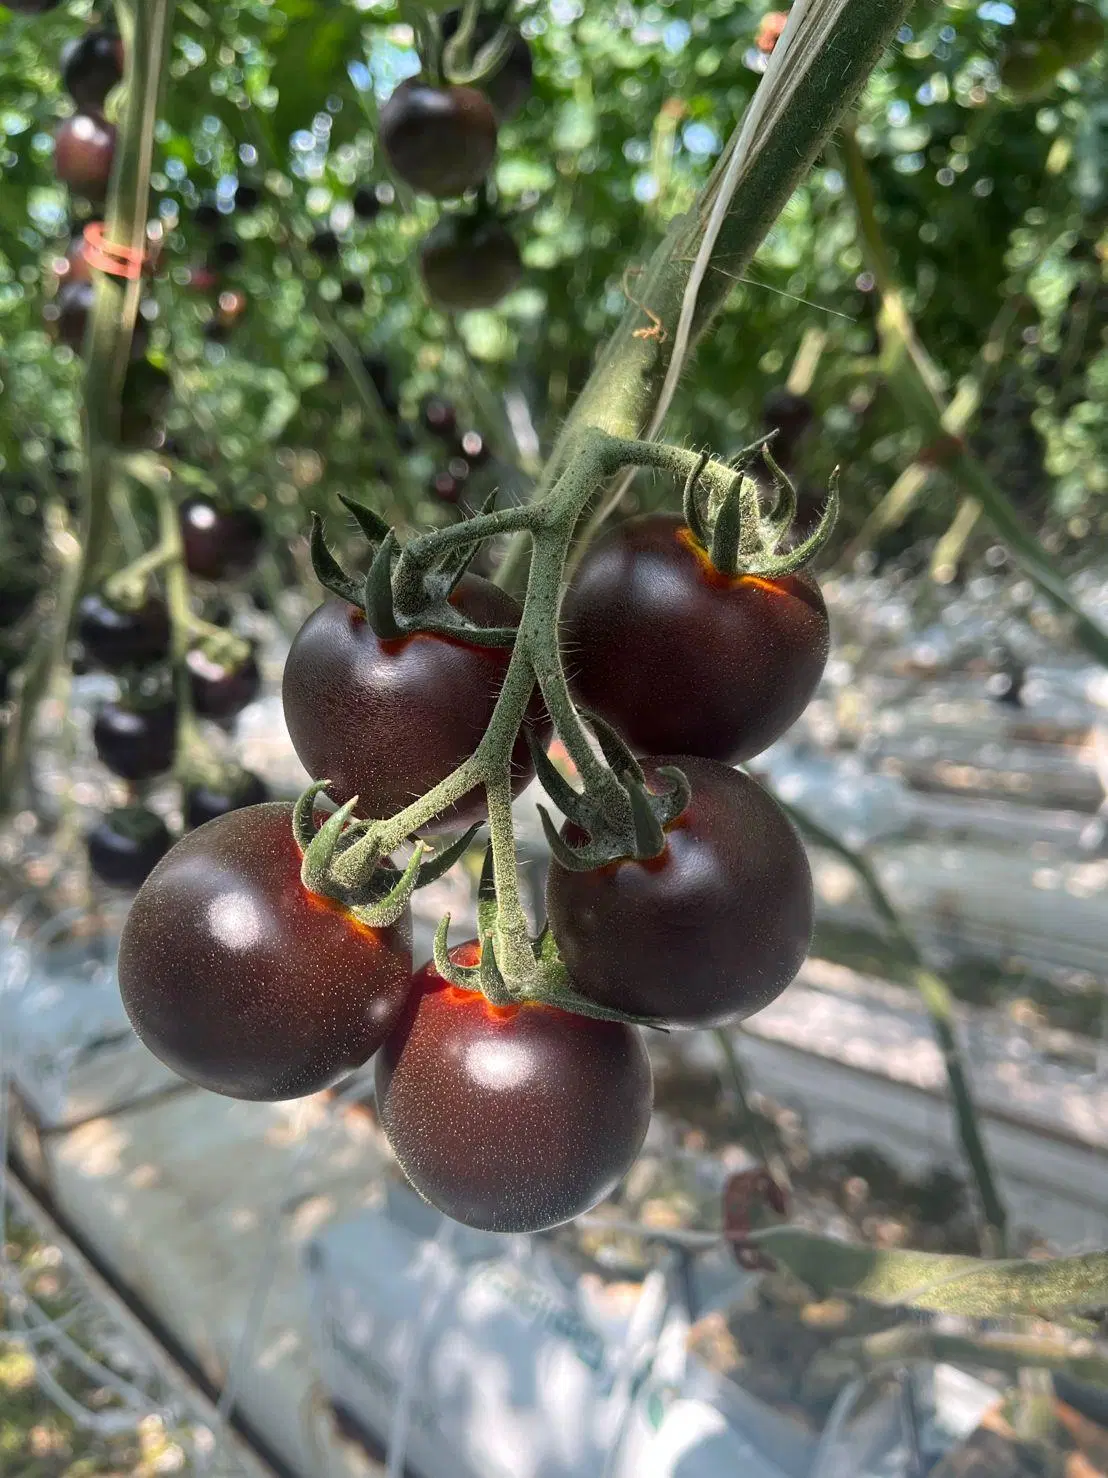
x: 512, y: 937
x: 838, y: 43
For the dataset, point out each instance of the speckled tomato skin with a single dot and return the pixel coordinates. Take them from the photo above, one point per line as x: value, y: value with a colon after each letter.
x: 711, y: 931
x: 682, y: 659
x: 510, y: 1119
x: 387, y: 720
x: 242, y: 981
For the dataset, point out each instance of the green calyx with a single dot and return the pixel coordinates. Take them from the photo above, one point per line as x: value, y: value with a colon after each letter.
x: 406, y: 591
x: 636, y: 834
x: 742, y: 536
x: 548, y: 985
x: 343, y: 861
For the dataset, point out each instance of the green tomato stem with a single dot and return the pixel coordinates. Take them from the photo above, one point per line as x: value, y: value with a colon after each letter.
x: 511, y: 936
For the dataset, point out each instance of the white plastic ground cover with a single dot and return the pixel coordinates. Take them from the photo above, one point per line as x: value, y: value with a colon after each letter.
x: 469, y: 1355
x: 512, y: 1367
x: 69, y: 1046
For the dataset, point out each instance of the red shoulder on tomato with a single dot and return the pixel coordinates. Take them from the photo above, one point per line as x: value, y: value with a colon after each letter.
x: 241, y: 980
x: 710, y: 931
x: 682, y: 659
x: 514, y: 1118
x: 386, y: 719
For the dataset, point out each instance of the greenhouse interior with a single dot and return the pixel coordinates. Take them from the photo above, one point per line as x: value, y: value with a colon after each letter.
x: 554, y: 739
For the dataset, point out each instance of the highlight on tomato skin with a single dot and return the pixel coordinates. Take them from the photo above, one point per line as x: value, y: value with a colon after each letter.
x: 245, y: 983
x: 386, y: 720
x: 733, y: 661
x: 711, y: 931
x: 510, y: 1119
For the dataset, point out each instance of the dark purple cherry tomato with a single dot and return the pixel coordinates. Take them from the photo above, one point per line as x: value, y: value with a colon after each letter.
x: 469, y: 264
x: 241, y: 980
x: 221, y: 692
x: 509, y: 87
x: 439, y: 140
x: 439, y: 416
x: 367, y: 203
x: 84, y: 147
x: 115, y: 638
x: 510, y: 1118
x: 387, y: 720
x: 219, y: 542
x: 247, y: 198
x: 325, y: 245
x: 91, y: 66
x: 711, y: 931
x: 126, y: 845
x: 685, y: 660
x: 204, y: 803
x: 136, y: 743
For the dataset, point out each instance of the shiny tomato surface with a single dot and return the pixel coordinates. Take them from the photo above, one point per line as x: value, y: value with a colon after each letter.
x: 685, y: 660
x: 510, y: 1118
x: 712, y: 930
x: 242, y: 981
x: 387, y: 720
x: 439, y: 140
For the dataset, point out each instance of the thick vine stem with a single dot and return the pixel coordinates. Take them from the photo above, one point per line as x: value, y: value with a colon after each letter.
x: 191, y: 755
x: 511, y: 936
x: 798, y: 104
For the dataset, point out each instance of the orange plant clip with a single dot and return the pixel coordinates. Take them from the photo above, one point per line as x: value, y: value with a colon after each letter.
x: 106, y: 256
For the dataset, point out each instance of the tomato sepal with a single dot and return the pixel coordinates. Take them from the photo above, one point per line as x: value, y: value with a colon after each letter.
x: 379, y: 896
x: 372, y: 525
x: 328, y: 571
x: 550, y: 985
x: 342, y: 860
x: 377, y: 598
x: 690, y: 505
x: 641, y: 835
x: 737, y: 536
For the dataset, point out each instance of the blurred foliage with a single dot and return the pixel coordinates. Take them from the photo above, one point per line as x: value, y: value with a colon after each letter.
x: 982, y: 196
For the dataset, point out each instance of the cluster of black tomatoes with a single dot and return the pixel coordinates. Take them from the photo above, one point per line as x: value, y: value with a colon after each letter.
x: 509, y: 1117
x: 136, y: 733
